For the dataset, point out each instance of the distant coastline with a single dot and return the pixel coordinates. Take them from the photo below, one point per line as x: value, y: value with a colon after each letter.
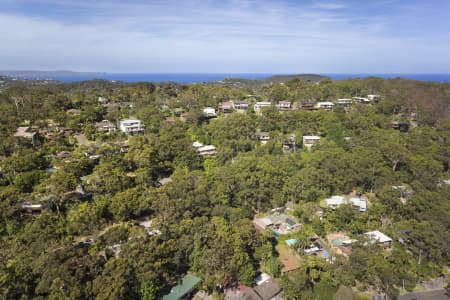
x: 70, y: 76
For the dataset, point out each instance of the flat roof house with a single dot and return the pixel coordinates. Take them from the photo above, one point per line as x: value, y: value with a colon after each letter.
x: 209, y: 112
x: 241, y: 105
x: 310, y: 140
x: 345, y: 102
x: 361, y: 100
x: 374, y: 98
x: 263, y: 137
x: 206, y: 150
x: 359, y: 204
x: 325, y: 105
x: 260, y: 105
x: 131, y: 126
x: 284, y: 105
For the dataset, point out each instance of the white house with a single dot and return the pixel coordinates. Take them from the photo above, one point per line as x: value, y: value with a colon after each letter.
x: 345, y: 102
x: 284, y: 105
x: 131, y: 126
x: 103, y: 100
x: 359, y: 204
x: 206, y: 150
x: 325, y: 105
x: 241, y: 105
x: 377, y: 237
x: 263, y: 137
x: 361, y: 99
x: 373, y: 98
x: 209, y: 112
x: 310, y: 140
x: 259, y: 105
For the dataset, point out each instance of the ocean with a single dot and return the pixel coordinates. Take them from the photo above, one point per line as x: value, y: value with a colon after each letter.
x: 209, y: 77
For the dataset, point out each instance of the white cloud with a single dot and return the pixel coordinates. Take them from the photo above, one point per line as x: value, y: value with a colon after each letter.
x: 206, y: 36
x: 329, y: 5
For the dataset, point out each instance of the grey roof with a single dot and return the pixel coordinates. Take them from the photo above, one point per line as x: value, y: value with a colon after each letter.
x: 268, y: 289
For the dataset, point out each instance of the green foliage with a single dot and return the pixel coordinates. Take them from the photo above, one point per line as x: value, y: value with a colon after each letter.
x: 201, y: 220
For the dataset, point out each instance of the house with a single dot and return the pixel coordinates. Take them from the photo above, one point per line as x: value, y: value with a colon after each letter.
x: 310, y: 140
x: 240, y: 292
x: 260, y: 105
x: 279, y: 223
x: 263, y: 137
x: 209, y: 112
x: 289, y: 143
x: 269, y: 290
x: 401, y: 126
x: 361, y: 100
x: 131, y: 126
x: 318, y: 248
x: 345, y: 102
x: 284, y: 105
x: 341, y: 243
x: 103, y: 100
x: 25, y: 132
x: 183, y: 289
x: 359, y: 204
x: 325, y: 105
x: 31, y: 208
x: 377, y: 237
x: 241, y: 105
x: 308, y: 105
x: 226, y: 107
x: 373, y: 98
x: 105, y: 126
x: 206, y: 150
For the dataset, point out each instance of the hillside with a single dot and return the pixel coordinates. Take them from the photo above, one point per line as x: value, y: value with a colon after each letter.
x: 331, y: 188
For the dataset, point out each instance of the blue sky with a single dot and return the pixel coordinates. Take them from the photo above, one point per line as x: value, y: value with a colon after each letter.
x: 262, y: 36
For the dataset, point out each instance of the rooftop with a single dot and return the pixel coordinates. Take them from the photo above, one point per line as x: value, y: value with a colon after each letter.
x: 377, y: 236
x: 268, y: 289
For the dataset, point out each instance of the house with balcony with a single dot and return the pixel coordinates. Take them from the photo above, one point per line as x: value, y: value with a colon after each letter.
x: 345, y: 102
x: 241, y: 105
x: 131, y: 126
x: 284, y: 105
x: 105, y: 126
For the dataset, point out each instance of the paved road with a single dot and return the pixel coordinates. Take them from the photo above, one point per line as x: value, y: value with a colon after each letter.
x: 440, y: 294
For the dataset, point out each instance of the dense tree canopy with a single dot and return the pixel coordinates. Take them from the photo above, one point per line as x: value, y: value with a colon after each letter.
x: 86, y: 242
